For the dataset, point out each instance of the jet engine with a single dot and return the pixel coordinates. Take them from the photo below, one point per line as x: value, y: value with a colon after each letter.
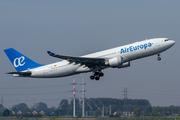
x: 126, y: 64
x: 115, y: 62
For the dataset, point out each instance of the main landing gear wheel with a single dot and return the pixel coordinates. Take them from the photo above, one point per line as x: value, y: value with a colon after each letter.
x: 96, y: 75
x: 159, y: 58
x: 101, y: 74
x: 92, y: 77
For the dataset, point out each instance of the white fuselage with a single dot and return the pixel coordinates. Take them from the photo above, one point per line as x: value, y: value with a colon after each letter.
x: 127, y: 52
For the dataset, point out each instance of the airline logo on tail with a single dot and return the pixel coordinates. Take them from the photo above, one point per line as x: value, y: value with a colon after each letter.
x: 19, y: 61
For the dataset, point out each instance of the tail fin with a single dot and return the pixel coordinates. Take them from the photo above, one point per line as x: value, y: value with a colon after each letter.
x: 20, y: 61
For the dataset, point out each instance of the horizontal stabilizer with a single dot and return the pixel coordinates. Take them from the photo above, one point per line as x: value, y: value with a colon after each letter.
x: 23, y: 74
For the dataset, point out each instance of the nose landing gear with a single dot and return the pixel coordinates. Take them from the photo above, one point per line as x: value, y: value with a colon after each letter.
x: 159, y: 58
x: 96, y: 75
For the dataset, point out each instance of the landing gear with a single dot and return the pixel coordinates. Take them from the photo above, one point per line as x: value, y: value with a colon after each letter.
x: 92, y: 77
x: 96, y: 75
x: 159, y: 58
x: 101, y: 74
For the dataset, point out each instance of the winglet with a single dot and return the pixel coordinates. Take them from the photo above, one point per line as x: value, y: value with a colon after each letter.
x: 51, y: 53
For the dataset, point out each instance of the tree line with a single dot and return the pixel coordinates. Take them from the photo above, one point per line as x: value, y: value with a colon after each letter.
x: 94, y: 106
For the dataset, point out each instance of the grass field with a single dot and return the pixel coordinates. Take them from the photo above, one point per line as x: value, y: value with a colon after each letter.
x: 100, y: 118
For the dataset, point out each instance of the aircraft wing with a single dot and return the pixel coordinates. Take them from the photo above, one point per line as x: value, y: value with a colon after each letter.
x: 89, y: 62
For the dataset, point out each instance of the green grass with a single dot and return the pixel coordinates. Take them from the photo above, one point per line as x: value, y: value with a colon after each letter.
x: 100, y: 118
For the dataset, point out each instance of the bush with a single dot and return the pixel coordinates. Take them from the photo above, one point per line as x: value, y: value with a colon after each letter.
x: 117, y: 115
x: 137, y: 112
x: 6, y: 112
x: 31, y: 115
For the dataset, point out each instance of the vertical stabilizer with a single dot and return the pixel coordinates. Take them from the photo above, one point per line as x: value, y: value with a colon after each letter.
x: 20, y: 61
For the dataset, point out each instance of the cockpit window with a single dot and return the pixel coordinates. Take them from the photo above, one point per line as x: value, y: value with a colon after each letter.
x: 166, y: 40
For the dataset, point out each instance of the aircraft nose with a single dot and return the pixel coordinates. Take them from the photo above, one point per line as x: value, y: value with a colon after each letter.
x: 172, y: 42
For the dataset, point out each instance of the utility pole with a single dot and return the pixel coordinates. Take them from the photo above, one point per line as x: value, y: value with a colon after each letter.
x: 125, y: 100
x: 110, y: 110
x: 103, y: 111
x: 2, y: 107
x: 74, y: 103
x: 83, y: 96
x: 163, y: 111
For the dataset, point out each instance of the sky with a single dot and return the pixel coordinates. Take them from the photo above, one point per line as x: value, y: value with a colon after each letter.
x: 81, y: 27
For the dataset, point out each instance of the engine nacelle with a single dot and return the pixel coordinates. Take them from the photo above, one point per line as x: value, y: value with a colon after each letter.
x: 115, y: 62
x: 126, y: 64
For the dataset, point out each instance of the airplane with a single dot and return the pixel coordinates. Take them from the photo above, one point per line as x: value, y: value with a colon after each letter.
x: 119, y: 57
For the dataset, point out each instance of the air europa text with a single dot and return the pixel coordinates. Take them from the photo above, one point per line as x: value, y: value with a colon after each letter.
x: 134, y: 48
